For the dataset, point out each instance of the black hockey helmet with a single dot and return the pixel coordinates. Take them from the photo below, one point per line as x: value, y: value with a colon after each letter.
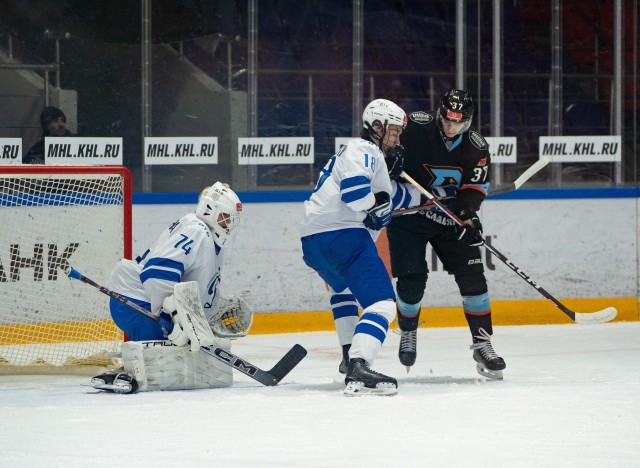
x: 457, y: 106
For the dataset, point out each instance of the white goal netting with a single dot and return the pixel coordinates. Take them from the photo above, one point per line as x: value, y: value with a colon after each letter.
x: 51, y: 217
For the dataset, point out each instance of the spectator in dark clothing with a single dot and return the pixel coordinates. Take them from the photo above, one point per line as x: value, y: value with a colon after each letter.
x: 54, y: 124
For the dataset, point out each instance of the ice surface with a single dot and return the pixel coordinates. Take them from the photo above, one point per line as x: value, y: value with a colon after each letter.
x: 570, y: 398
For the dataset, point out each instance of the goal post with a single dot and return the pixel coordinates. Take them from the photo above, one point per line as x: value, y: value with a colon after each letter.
x: 51, y: 217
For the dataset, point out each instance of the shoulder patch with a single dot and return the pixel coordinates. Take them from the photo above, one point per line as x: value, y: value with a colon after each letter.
x: 421, y: 117
x: 478, y: 140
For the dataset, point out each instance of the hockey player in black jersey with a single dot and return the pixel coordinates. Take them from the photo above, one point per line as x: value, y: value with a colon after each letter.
x: 447, y: 158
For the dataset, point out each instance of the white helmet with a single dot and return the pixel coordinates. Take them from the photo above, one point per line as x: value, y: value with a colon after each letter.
x: 384, y: 113
x: 219, y: 207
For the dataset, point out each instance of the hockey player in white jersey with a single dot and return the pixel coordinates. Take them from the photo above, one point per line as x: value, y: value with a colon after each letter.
x: 349, y: 206
x: 177, y: 280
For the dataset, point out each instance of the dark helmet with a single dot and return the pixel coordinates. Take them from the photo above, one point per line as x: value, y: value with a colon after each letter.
x: 457, y: 106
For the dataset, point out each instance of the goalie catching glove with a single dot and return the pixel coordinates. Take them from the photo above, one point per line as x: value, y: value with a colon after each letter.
x: 231, y: 318
x: 471, y: 229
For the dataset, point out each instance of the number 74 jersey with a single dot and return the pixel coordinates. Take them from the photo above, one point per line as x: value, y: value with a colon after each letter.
x: 185, y: 251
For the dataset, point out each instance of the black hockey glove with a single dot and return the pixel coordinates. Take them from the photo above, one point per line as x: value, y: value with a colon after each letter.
x: 395, y: 161
x: 379, y: 215
x: 471, y: 231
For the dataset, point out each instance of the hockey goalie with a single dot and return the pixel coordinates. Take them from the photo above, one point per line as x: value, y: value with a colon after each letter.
x: 177, y: 279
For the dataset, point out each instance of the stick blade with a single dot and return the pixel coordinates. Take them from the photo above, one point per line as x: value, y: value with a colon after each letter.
x: 288, y: 362
x: 602, y: 316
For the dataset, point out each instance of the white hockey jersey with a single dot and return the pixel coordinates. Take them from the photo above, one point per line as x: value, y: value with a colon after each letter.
x: 185, y: 251
x: 346, y: 189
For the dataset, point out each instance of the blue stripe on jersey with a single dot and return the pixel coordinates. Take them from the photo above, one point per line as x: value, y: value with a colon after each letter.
x: 354, y: 188
x: 156, y: 273
x: 402, y: 198
x: 355, y: 195
x: 163, y: 269
x: 165, y: 263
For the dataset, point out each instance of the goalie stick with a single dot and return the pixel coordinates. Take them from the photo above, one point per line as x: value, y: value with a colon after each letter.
x: 515, y: 185
x: 600, y: 316
x: 269, y: 378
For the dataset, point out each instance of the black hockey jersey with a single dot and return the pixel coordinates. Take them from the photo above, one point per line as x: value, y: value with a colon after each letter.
x: 462, y: 169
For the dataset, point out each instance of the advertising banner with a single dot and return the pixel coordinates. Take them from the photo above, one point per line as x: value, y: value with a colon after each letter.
x: 83, y: 151
x: 291, y: 150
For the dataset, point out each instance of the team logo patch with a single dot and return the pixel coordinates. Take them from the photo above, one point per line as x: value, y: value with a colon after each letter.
x: 478, y: 140
x: 421, y: 117
x: 482, y: 162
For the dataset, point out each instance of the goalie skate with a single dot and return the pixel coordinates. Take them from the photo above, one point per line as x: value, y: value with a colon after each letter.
x: 361, y: 380
x: 115, y: 381
x: 489, y: 364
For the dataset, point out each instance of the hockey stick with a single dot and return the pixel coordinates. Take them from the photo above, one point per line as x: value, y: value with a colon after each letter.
x: 600, y: 316
x: 426, y: 206
x: 526, y: 175
x: 519, y: 182
x: 268, y: 378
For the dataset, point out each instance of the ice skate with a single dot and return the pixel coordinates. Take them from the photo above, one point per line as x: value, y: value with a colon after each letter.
x: 344, y: 364
x: 407, y: 352
x: 489, y: 364
x: 115, y: 381
x: 361, y: 380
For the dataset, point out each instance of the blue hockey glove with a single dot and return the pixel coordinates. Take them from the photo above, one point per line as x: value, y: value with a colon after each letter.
x: 471, y: 231
x: 379, y: 215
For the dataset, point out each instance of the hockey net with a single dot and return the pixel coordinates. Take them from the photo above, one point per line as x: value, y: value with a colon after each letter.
x: 51, y: 217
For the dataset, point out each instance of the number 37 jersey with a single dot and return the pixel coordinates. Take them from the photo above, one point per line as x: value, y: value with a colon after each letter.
x: 185, y: 251
x: 462, y: 164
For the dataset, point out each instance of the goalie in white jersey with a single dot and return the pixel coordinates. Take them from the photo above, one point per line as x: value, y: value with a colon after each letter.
x: 344, y: 215
x: 177, y: 280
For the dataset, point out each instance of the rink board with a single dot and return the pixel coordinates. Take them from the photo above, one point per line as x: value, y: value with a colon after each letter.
x: 529, y: 312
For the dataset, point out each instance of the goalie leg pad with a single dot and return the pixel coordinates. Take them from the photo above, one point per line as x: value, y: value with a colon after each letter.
x: 161, y: 365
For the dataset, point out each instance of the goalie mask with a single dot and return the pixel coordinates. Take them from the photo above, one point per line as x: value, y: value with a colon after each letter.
x: 382, y: 113
x: 219, y: 207
x: 455, y: 106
